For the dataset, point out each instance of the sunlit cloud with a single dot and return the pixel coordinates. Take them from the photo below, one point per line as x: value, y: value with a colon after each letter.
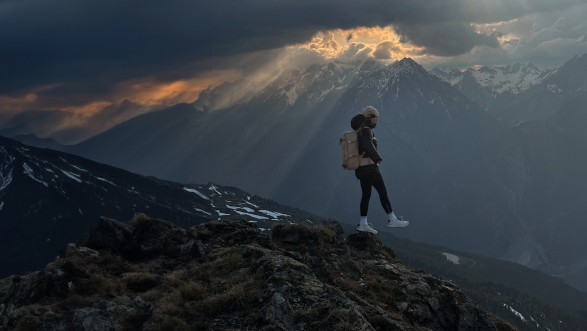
x: 160, y: 94
x: 83, y: 113
x: 381, y: 43
x: 49, y: 116
x: 10, y: 104
x: 15, y: 103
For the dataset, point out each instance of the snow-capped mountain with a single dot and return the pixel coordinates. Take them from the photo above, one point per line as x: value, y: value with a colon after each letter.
x: 512, y: 79
x: 493, y: 87
x: 517, y: 94
x: 542, y: 101
x: 49, y: 198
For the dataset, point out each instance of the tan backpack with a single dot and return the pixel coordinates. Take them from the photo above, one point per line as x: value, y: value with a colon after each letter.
x: 349, y: 146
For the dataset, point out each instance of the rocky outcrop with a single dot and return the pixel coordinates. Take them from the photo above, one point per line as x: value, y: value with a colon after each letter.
x: 153, y: 275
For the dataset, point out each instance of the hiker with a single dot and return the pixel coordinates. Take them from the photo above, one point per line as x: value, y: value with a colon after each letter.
x: 368, y: 171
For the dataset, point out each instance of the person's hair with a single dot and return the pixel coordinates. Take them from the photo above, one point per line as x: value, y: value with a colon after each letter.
x: 370, y: 111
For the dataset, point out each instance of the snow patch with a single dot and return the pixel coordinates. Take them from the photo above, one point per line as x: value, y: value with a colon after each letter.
x: 214, y: 189
x: 105, y: 180
x: 515, y: 312
x: 203, y: 211
x: 71, y: 175
x: 5, y: 168
x: 243, y: 208
x: 273, y: 214
x: 221, y: 213
x: 27, y: 170
x: 251, y: 215
x: 452, y: 258
x: 78, y: 168
x: 196, y: 192
x: 251, y: 204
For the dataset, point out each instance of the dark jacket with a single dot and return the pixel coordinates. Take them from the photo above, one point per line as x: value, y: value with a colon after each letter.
x: 368, y: 145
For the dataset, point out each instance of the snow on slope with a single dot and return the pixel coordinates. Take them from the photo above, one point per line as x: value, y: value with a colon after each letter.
x: 57, y: 173
x: 498, y: 79
x: 228, y: 202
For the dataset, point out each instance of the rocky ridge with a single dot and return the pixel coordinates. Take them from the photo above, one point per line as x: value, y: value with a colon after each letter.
x: 151, y: 274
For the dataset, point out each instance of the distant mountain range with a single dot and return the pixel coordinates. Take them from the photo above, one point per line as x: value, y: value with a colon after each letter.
x: 519, y: 93
x: 505, y: 181
x: 512, y: 79
x: 493, y: 87
x: 563, y: 87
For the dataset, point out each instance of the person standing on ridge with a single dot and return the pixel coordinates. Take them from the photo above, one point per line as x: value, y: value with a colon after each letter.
x: 368, y: 171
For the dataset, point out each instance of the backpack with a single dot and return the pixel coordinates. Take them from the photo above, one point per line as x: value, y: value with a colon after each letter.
x: 349, y: 144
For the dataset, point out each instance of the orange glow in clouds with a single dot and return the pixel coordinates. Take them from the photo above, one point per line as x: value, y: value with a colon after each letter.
x: 154, y: 94
x: 10, y: 104
x: 382, y: 43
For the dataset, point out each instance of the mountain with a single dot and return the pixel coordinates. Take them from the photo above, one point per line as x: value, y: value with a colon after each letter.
x: 33, y: 140
x: 527, y: 298
x: 513, y: 78
x: 548, y: 121
x: 546, y: 98
x: 450, y: 167
x: 553, y: 181
x: 49, y: 198
x: 492, y: 87
x: 517, y: 93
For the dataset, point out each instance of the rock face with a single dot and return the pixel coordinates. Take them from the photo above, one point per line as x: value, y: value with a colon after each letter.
x: 153, y: 275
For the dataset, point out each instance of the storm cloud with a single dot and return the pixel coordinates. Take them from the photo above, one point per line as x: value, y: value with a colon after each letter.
x: 446, y: 39
x: 75, y: 42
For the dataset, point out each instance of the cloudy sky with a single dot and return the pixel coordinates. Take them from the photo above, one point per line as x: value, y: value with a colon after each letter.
x: 71, y: 68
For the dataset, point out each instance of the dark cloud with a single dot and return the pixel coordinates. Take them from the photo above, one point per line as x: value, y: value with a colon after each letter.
x: 446, y: 39
x: 73, y: 42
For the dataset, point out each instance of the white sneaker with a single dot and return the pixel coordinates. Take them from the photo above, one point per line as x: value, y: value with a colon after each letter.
x: 366, y: 228
x: 398, y: 223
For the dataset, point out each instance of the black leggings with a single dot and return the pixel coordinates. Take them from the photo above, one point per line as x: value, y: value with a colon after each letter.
x: 373, y: 179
